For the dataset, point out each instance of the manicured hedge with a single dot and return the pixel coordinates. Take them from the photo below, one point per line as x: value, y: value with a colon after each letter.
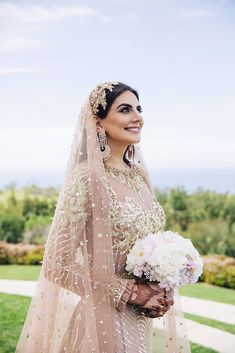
x: 26, y: 254
x: 218, y: 269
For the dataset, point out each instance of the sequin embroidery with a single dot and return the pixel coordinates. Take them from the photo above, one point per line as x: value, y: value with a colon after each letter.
x: 132, y: 178
x: 131, y: 220
x: 72, y: 204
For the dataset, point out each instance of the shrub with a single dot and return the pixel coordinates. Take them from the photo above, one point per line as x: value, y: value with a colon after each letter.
x: 4, y: 254
x: 21, y: 253
x: 35, y: 256
x: 37, y: 229
x: 219, y: 270
x: 11, y: 227
x: 209, y: 237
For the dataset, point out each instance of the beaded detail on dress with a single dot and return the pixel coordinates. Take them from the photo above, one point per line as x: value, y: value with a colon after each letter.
x: 130, y: 218
x: 72, y: 205
x: 131, y: 178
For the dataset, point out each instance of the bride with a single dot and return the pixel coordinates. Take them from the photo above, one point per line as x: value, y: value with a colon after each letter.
x: 84, y: 300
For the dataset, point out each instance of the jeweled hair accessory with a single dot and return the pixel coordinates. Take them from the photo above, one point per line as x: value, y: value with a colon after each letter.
x: 98, y: 95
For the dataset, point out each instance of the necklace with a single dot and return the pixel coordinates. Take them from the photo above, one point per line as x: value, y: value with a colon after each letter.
x: 131, y: 178
x: 128, y: 168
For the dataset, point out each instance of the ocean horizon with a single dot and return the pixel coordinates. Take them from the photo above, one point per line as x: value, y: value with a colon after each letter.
x: 214, y: 179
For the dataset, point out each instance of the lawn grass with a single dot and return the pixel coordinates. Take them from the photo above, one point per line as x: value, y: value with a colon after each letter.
x: 157, y: 344
x: 13, y: 313
x: 20, y: 272
x: 196, y: 348
x: 209, y: 292
x: 209, y: 322
x: 198, y: 290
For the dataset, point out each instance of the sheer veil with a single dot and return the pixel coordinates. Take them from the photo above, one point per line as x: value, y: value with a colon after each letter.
x: 73, y: 308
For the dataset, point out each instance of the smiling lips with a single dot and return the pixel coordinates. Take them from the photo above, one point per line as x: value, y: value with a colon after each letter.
x: 133, y: 129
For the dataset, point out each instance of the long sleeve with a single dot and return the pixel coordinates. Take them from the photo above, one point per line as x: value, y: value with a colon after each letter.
x: 68, y: 256
x: 71, y: 278
x: 64, y: 260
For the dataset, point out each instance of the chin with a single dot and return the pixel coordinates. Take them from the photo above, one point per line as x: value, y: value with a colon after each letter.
x: 136, y: 140
x: 129, y: 141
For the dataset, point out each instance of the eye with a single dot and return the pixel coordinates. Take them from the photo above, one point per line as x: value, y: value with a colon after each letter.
x: 140, y: 110
x: 124, y: 110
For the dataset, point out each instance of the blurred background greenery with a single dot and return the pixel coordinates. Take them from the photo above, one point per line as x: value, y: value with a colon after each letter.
x: 206, y: 217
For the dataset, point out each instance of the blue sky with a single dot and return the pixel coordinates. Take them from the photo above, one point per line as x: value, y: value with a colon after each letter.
x: 178, y: 54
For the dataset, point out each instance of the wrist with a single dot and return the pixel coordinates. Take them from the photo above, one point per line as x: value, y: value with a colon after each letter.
x: 134, y: 295
x: 125, y: 295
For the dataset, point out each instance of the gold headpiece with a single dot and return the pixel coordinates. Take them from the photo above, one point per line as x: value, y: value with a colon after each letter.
x: 98, y: 95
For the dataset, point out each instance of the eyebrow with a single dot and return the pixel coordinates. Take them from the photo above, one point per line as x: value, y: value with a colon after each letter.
x: 128, y: 105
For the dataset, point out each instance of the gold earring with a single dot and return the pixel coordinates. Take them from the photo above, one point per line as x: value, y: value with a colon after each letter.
x: 130, y: 152
x: 104, y: 147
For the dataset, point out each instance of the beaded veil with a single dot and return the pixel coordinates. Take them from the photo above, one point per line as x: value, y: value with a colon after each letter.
x: 73, y: 309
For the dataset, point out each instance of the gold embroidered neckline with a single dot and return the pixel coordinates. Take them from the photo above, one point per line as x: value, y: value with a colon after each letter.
x: 131, y: 178
x: 119, y: 171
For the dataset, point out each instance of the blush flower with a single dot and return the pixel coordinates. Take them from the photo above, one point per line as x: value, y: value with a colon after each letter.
x: 165, y: 257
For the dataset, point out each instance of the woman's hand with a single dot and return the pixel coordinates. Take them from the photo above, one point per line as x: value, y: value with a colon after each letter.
x: 154, y: 300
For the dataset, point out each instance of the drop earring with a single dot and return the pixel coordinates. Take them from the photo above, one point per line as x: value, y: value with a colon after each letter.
x: 130, y: 152
x: 104, y: 147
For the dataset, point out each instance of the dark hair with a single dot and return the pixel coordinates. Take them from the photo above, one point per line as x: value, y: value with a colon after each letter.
x: 110, y: 98
x: 112, y: 95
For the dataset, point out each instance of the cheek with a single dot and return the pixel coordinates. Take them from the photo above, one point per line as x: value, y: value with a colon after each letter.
x: 117, y: 123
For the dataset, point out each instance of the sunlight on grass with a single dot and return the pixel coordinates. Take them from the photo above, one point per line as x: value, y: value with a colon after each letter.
x: 13, y: 313
x: 213, y: 323
x: 20, y: 272
x: 209, y: 292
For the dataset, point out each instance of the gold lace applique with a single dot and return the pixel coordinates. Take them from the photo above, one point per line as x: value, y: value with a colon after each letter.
x: 73, y: 201
x: 132, y: 178
x: 131, y: 221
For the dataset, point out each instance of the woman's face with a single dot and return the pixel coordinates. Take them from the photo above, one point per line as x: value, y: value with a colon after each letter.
x: 124, y: 120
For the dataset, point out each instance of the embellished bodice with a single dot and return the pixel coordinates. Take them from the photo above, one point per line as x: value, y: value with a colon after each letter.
x: 134, y: 210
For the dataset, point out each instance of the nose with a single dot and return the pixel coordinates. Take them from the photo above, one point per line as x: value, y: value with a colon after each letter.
x: 138, y: 117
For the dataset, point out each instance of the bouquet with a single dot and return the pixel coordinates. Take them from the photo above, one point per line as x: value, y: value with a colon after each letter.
x: 166, y: 258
